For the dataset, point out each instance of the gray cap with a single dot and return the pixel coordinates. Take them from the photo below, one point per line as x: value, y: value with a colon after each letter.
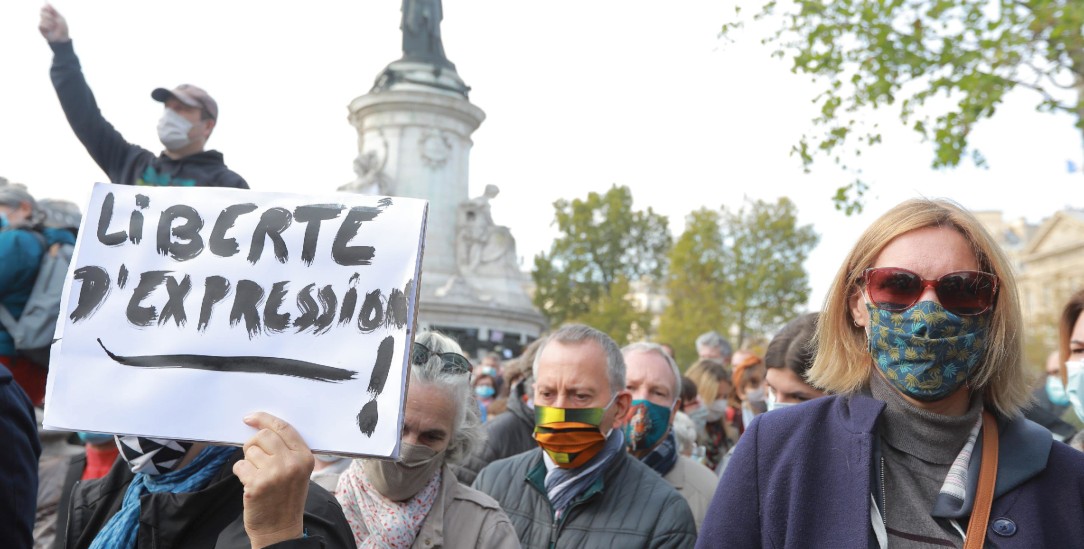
x: 193, y: 96
x: 14, y: 194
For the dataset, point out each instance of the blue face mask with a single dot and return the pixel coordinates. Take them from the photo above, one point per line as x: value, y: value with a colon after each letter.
x: 1055, y: 391
x: 1075, y: 386
x: 648, y: 423
x: 94, y: 438
x: 484, y: 391
x: 926, y: 352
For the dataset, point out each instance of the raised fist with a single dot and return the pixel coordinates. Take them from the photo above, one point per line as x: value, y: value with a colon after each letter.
x: 53, y: 26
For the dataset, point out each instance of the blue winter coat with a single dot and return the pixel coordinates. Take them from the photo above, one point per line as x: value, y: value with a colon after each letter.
x: 802, y: 477
x: 20, y: 257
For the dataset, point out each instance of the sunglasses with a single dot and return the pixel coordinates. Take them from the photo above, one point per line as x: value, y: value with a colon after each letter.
x: 453, y: 362
x: 964, y: 293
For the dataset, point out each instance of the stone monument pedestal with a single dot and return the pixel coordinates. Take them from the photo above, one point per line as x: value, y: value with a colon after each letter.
x: 414, y: 140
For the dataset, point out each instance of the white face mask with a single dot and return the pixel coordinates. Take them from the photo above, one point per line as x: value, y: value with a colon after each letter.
x: 774, y: 404
x: 717, y: 409
x: 173, y: 130
x: 1075, y: 385
x: 747, y: 415
x: 755, y: 395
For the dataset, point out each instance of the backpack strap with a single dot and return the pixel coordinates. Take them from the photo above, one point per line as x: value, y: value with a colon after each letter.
x: 7, y: 319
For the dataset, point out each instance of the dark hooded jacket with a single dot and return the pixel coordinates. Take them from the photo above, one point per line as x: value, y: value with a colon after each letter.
x: 123, y: 162
x: 19, y: 453
x: 508, y: 434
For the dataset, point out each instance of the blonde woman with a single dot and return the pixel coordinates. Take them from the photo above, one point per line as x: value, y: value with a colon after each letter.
x: 713, y: 387
x: 919, y: 338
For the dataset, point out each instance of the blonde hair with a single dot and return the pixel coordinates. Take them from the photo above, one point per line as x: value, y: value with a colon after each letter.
x: 843, y: 362
x: 707, y: 374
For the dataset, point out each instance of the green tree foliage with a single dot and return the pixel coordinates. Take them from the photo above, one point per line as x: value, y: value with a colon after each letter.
x: 944, y: 64
x: 765, y: 281
x: 697, y: 299
x: 739, y: 268
x: 603, y: 247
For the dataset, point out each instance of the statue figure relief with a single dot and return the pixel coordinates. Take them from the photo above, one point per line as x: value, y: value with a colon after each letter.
x: 482, y: 246
x: 369, y: 168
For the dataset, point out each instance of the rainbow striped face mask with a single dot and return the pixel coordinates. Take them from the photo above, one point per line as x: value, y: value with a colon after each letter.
x: 570, y: 436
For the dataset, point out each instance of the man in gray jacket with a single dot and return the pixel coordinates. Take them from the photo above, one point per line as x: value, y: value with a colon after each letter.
x: 653, y: 379
x: 581, y: 488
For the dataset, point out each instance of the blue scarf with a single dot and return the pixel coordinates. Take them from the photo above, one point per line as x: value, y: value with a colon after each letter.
x: 120, y: 532
x: 564, y: 485
x: 663, y: 458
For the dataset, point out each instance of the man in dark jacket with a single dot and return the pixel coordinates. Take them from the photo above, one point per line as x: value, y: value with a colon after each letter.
x: 581, y: 488
x: 508, y: 434
x: 190, y: 116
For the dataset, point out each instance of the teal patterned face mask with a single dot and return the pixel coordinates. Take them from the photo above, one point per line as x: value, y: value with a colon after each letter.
x: 926, y: 352
x: 648, y: 423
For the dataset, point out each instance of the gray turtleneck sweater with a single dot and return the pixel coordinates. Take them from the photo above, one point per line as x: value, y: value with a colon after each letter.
x: 918, y: 448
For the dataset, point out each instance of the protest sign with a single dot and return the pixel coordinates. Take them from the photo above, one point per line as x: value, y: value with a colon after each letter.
x: 189, y: 308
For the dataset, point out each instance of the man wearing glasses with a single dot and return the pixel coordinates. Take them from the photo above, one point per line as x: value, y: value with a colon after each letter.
x: 581, y: 488
x: 190, y: 116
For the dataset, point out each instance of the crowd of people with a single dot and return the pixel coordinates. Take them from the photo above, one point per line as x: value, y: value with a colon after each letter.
x: 901, y: 415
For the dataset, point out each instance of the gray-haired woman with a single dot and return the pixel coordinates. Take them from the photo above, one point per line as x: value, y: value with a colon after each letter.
x: 417, y: 502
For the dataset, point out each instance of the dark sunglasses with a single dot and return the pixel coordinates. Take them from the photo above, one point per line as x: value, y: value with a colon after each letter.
x: 965, y: 293
x: 453, y: 362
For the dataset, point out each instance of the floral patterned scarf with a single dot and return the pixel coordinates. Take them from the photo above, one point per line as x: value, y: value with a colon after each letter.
x: 377, y: 521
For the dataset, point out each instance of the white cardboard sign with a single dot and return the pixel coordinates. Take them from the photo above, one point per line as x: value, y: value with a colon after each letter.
x: 188, y: 308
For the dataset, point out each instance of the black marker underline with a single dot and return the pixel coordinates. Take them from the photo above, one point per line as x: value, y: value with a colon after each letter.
x: 240, y: 364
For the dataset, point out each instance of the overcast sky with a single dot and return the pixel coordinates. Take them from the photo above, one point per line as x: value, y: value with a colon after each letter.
x: 578, y: 96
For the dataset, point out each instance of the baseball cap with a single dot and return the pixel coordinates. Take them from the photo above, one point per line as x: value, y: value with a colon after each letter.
x: 190, y: 95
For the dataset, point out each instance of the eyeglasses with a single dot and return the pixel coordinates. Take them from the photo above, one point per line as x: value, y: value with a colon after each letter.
x: 453, y: 362
x: 965, y: 293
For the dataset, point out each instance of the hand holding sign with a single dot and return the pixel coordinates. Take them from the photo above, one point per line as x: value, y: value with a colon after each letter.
x: 275, y: 473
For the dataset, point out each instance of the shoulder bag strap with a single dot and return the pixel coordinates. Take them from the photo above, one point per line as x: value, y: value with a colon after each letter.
x: 984, y: 499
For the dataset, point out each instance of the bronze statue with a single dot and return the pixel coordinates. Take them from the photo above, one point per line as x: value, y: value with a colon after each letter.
x: 421, y: 32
